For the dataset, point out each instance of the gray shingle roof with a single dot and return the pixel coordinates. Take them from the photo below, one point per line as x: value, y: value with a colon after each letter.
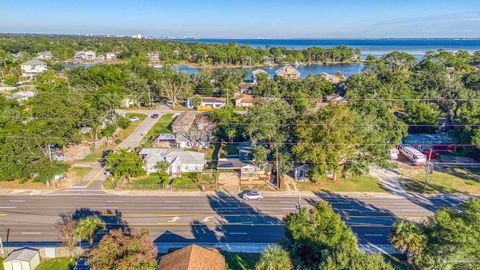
x: 34, y: 63
x: 24, y: 254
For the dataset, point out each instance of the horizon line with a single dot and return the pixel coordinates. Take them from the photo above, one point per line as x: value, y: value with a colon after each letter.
x: 239, y: 38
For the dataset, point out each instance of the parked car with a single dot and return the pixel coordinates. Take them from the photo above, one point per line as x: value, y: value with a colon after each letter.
x: 134, y: 119
x: 155, y: 116
x: 252, y: 195
x: 393, y: 153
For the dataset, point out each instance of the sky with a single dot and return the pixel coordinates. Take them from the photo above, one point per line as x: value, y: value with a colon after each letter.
x: 314, y: 19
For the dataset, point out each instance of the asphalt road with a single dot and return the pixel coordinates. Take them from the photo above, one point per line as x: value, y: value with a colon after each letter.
x: 215, y: 218
x: 142, y: 129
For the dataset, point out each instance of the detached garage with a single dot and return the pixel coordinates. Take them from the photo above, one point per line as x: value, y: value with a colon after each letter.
x: 22, y: 259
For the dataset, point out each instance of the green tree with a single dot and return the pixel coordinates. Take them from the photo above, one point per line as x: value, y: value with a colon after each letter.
x: 314, y: 235
x: 162, y: 169
x: 125, y: 164
x: 88, y: 227
x: 121, y: 250
x: 328, y: 140
x: 408, y: 238
x: 274, y: 257
x: 173, y: 85
x: 448, y: 240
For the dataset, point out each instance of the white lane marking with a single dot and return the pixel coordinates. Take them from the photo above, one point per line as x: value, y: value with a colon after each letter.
x: 16, y: 201
x: 8, y: 207
x: 172, y: 202
x: 373, y: 234
x: 110, y: 207
x: 31, y: 233
x: 175, y: 219
x: 401, y: 203
x: 207, y: 219
x: 115, y: 201
x: 170, y: 207
x: 238, y: 233
x: 288, y: 208
x: 286, y: 202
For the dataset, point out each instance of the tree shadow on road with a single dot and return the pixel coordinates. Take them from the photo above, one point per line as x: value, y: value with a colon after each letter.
x: 370, y: 223
x: 232, y: 221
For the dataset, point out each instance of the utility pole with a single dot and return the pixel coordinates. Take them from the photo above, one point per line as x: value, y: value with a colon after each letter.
x: 49, y: 151
x: 277, y: 169
x: 149, y: 98
x: 429, y: 168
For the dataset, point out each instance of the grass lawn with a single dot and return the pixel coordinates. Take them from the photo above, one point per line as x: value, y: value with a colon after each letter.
x: 354, y: 184
x: 240, y: 261
x: 451, y: 180
x: 148, y: 180
x: 133, y: 125
x: 80, y: 171
x: 138, y: 115
x: 162, y: 126
x: 56, y: 264
x: 1, y: 264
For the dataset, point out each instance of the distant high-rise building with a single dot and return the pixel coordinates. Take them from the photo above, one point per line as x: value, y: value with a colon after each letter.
x: 137, y: 36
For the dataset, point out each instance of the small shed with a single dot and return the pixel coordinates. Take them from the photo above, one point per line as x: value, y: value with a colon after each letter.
x: 301, y: 173
x: 22, y: 259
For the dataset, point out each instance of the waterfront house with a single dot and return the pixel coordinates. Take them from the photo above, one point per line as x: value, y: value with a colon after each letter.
x: 207, y: 103
x: 243, y: 100
x: 193, y: 257
x: 183, y: 122
x: 32, y: 68
x: 85, y: 55
x: 111, y: 56
x: 100, y: 59
x: 256, y: 73
x: 180, y: 161
x: 288, y: 72
x: 335, y: 79
x: 46, y: 55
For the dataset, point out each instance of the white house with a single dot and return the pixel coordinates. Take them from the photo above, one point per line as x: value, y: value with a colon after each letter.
x: 111, y: 56
x: 243, y: 100
x: 46, y: 55
x: 22, y: 259
x: 85, y: 55
x: 288, y: 73
x: 257, y: 73
x: 22, y: 96
x: 32, y: 68
x: 180, y: 161
x: 208, y: 103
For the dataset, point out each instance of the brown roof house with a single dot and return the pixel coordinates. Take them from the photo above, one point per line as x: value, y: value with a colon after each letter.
x: 243, y: 100
x: 288, y: 72
x: 193, y: 258
x: 183, y: 122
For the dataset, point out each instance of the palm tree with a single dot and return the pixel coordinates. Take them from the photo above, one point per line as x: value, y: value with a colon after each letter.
x: 407, y: 237
x: 274, y: 258
x: 88, y: 227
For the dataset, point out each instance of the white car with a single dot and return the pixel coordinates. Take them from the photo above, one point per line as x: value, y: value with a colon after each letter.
x: 134, y: 119
x: 252, y: 195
